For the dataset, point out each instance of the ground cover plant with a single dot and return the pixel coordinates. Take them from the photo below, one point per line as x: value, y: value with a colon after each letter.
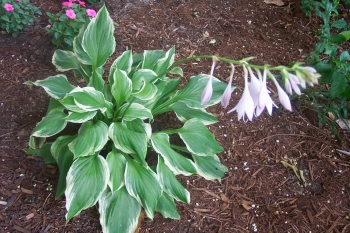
x: 258, y: 193
x: 109, y: 159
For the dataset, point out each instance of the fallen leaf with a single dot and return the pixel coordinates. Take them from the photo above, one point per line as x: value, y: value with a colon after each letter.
x: 29, y: 216
x: 274, y: 2
x: 224, y: 198
x: 343, y: 123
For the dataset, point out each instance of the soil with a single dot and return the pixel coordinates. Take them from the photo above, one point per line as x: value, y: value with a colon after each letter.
x: 259, y: 193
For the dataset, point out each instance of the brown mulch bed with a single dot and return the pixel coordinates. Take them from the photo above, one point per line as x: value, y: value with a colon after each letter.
x: 258, y: 194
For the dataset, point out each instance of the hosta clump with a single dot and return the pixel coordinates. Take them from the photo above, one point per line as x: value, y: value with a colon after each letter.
x: 105, y: 161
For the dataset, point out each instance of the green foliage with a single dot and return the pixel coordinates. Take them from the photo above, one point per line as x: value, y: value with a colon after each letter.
x: 14, y: 21
x: 94, y: 1
x: 118, y: 158
x: 333, y: 96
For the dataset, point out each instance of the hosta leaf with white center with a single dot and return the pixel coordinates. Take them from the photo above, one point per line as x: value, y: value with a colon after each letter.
x: 56, y: 86
x: 209, y: 167
x: 77, y: 117
x: 51, y: 124
x: 128, y: 141
x: 99, y: 44
x: 91, y: 139
x: 164, y: 63
x: 89, y: 99
x: 139, y: 126
x: 170, y: 184
x: 134, y: 111
x: 69, y: 103
x: 150, y: 58
x: 123, y: 62
x: 86, y: 180
x: 166, y: 206
x: 192, y: 92
x: 82, y: 56
x: 198, y: 139
x: 142, y: 184
x: 142, y: 84
x: 65, y: 60
x: 184, y: 113
x: 64, y: 159
x: 121, y: 87
x: 116, y: 163
x: 119, y: 212
x: 176, y: 162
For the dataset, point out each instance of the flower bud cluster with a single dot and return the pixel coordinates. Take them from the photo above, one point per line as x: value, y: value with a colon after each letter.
x: 256, y: 96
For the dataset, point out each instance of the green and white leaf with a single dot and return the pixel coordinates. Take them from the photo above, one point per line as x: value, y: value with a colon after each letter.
x: 128, y: 141
x: 91, y: 139
x: 170, y: 184
x: 44, y: 152
x: 56, y: 86
x: 150, y: 58
x: 135, y: 111
x: 64, y: 159
x: 86, y: 180
x: 143, y: 184
x: 89, y: 99
x: 139, y: 126
x: 122, y: 86
x: 209, y: 167
x: 198, y: 139
x: 123, y: 62
x: 164, y: 63
x: 51, y: 124
x: 166, y: 206
x: 177, y: 70
x: 177, y: 163
x: 69, y: 103
x: 77, y: 117
x: 96, y: 81
x: 184, y: 113
x: 119, y: 212
x: 82, y: 56
x: 116, y: 163
x: 65, y: 60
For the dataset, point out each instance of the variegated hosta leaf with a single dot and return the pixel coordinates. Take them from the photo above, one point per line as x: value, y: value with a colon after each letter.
x: 142, y: 184
x: 119, y: 212
x: 164, y: 63
x: 123, y: 62
x: 176, y: 162
x: 141, y: 76
x: 89, y: 99
x: 55, y: 104
x: 150, y: 58
x: 77, y: 117
x: 121, y: 87
x: 65, y: 60
x: 177, y: 70
x: 209, y: 167
x: 64, y: 159
x: 86, y: 180
x: 198, y: 139
x: 116, y: 163
x: 146, y: 92
x: 128, y: 141
x: 51, y: 124
x: 99, y: 46
x: 139, y: 126
x: 166, y: 206
x: 184, y: 113
x: 82, y: 56
x: 170, y: 184
x: 69, y: 103
x: 44, y: 152
x: 56, y: 86
x: 192, y: 92
x: 91, y: 139
x: 135, y: 111
x: 96, y: 81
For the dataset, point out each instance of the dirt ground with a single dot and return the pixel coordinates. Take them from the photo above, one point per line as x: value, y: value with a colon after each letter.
x: 258, y: 194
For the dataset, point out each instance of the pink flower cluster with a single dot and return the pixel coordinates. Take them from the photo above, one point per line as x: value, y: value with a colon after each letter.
x: 8, y: 7
x: 256, y: 96
x: 70, y: 12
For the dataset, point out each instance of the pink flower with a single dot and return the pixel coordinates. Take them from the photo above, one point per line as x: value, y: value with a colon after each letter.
x: 225, y: 99
x: 18, y: 0
x: 70, y: 14
x: 48, y: 26
x: 91, y: 12
x: 8, y: 7
x: 82, y: 4
x: 68, y: 4
x: 208, y: 90
x: 245, y: 105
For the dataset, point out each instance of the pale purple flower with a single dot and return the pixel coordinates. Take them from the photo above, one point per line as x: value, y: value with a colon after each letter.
x: 288, y: 86
x: 225, y: 99
x: 70, y: 14
x: 282, y: 95
x: 8, y: 7
x: 294, y: 81
x: 264, y: 100
x: 91, y: 13
x: 308, y: 74
x: 208, y: 90
x: 254, y: 87
x: 245, y: 105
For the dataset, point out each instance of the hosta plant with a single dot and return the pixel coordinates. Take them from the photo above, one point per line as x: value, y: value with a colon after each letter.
x: 117, y: 158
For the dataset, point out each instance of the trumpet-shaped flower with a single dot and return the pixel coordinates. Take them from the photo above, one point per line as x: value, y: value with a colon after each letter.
x: 208, y: 90
x: 70, y: 14
x: 8, y: 7
x: 264, y: 99
x: 254, y: 87
x: 225, y: 99
x: 294, y: 81
x: 245, y: 105
x: 282, y: 95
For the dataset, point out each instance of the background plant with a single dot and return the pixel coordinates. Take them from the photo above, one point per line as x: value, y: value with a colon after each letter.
x: 65, y: 25
x: 331, y: 62
x: 16, y: 15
